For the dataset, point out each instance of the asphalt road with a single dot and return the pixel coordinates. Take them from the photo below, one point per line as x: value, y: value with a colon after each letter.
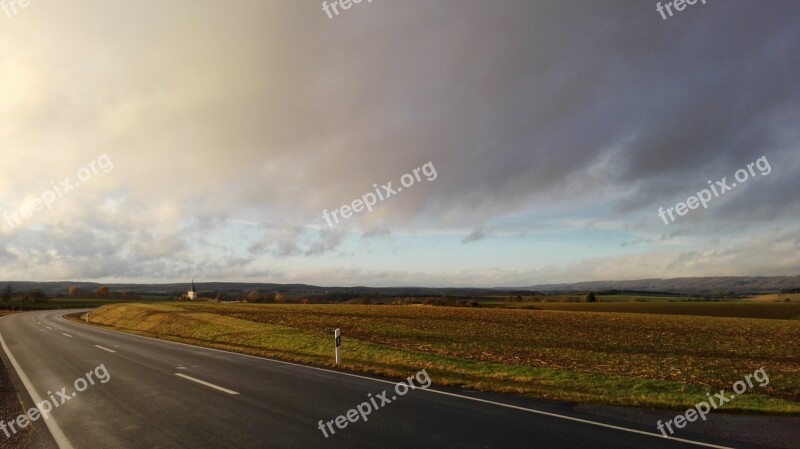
x: 154, y: 399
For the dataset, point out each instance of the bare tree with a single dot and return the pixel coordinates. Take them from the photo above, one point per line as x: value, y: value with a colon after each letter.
x: 7, y: 295
x: 35, y: 297
x: 128, y: 295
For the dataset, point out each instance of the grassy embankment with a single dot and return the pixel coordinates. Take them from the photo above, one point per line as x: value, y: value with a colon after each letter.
x: 613, y: 358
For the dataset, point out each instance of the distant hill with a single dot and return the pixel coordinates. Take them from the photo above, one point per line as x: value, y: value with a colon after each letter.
x: 60, y: 287
x: 698, y: 285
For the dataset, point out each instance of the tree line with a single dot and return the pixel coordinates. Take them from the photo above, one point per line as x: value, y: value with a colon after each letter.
x: 34, y: 297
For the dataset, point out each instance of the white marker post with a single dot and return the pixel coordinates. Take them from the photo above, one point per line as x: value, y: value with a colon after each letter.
x: 87, y: 316
x: 337, y: 335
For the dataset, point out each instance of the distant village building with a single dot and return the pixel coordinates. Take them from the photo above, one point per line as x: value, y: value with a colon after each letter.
x: 192, y: 295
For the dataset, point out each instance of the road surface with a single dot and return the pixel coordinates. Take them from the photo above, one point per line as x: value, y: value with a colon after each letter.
x: 168, y: 395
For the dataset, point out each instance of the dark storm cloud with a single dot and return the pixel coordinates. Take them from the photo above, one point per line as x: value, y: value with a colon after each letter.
x: 525, y: 99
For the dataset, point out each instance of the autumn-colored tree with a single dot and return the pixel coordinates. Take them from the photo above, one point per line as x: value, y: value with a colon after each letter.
x: 73, y: 291
x: 253, y: 296
x: 102, y: 292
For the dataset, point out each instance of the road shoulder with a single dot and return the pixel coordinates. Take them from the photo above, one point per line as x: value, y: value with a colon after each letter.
x: 11, y: 406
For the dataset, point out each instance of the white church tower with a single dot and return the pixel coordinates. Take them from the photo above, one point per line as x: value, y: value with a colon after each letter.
x: 193, y: 293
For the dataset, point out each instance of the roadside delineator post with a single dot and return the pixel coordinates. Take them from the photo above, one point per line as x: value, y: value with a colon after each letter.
x: 337, y: 335
x: 87, y: 316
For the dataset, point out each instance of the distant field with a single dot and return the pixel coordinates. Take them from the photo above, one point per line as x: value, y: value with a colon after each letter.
x: 776, y: 297
x: 67, y: 303
x: 626, y: 359
x: 628, y: 298
x: 602, y: 298
x: 735, y: 309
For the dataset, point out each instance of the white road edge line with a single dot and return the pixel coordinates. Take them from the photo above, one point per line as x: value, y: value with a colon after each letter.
x: 469, y: 398
x: 104, y: 349
x: 55, y: 430
x: 216, y: 387
x: 49, y: 327
x: 66, y: 334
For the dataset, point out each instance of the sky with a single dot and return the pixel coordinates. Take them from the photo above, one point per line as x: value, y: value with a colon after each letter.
x: 164, y: 141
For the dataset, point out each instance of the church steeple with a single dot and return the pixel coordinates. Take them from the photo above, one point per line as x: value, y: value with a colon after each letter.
x: 193, y: 293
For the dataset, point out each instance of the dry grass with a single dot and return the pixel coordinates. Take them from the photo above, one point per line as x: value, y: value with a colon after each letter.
x: 656, y: 360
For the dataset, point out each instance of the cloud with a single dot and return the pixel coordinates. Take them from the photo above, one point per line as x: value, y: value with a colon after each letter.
x: 474, y: 236
x: 328, y: 240
x: 231, y: 129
